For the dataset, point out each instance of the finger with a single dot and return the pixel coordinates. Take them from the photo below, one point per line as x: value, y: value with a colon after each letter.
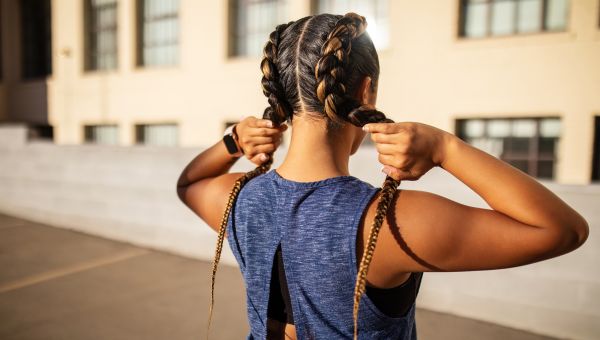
x: 263, y: 131
x: 263, y: 148
x: 381, y: 127
x: 400, y: 162
x: 387, y: 149
x: 263, y: 123
x: 258, y: 140
x: 384, y: 138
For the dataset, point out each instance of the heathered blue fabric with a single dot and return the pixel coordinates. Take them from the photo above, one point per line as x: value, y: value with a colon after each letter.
x: 316, y: 223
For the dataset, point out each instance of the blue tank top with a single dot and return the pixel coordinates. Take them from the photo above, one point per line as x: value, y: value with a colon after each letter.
x: 316, y: 224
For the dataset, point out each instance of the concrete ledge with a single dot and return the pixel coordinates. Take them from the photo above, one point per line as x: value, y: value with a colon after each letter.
x: 13, y: 135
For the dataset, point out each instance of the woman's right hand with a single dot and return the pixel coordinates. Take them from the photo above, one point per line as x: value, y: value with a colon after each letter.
x: 257, y: 137
x: 408, y: 150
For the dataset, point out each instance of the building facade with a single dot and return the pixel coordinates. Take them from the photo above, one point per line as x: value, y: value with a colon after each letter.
x: 517, y: 78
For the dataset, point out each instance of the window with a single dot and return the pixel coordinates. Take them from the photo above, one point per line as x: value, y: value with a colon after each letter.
x: 529, y: 144
x: 36, y: 55
x: 101, y: 134
x: 481, y: 18
x: 251, y: 22
x: 596, y: 155
x: 158, y: 32
x: 375, y: 11
x: 100, y: 34
x: 156, y: 134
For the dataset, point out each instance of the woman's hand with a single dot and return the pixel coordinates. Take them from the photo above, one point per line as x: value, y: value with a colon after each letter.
x: 408, y: 150
x: 257, y: 138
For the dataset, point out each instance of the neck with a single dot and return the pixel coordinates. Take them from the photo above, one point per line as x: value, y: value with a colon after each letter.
x: 313, y: 154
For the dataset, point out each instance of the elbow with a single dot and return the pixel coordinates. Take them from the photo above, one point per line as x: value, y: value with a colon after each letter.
x: 181, y: 189
x: 574, y: 235
x: 582, y: 230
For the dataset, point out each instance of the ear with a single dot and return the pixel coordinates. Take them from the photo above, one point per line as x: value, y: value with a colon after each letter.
x: 365, y: 92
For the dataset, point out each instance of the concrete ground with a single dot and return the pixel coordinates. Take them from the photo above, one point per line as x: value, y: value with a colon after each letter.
x: 61, y: 284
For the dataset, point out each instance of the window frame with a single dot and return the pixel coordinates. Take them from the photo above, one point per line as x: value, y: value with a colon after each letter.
x: 233, y: 38
x: 542, y: 29
x: 139, y: 36
x: 88, y: 127
x: 89, y: 65
x: 139, y: 126
x: 534, y: 155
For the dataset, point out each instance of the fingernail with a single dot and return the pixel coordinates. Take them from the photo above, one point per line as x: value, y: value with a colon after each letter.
x: 263, y: 157
x: 385, y: 170
x: 270, y: 123
x: 365, y: 128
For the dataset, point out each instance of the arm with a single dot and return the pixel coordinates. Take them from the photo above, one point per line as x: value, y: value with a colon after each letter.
x: 527, y: 223
x: 205, y: 183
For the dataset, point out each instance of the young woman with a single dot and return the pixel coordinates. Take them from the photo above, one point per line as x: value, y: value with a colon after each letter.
x: 311, y: 239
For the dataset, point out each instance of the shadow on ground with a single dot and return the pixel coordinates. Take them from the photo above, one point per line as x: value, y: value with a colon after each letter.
x: 61, y: 284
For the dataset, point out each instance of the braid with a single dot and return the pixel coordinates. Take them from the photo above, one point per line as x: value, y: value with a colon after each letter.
x: 330, y: 67
x: 279, y: 109
x: 339, y: 107
x: 277, y: 112
x: 359, y: 117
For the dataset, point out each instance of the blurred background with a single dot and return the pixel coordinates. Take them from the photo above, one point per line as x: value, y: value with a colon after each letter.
x: 103, y: 102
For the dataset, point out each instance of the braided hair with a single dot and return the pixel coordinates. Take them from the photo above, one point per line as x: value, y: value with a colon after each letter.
x: 308, y: 66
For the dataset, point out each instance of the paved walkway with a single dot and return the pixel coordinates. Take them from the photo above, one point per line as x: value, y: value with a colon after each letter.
x: 61, y: 284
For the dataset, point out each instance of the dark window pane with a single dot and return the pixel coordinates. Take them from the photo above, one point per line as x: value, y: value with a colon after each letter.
x: 545, y: 169
x: 547, y: 146
x: 517, y: 145
x: 36, y: 56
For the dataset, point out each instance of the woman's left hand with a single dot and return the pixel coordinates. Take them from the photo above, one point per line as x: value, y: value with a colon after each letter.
x: 408, y: 150
x: 257, y: 138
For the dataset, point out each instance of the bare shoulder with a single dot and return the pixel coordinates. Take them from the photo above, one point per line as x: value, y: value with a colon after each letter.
x: 423, y: 231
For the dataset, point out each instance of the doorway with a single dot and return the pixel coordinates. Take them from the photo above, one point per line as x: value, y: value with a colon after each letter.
x: 596, y: 156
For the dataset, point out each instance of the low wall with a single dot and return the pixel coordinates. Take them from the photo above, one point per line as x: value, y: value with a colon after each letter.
x: 128, y: 194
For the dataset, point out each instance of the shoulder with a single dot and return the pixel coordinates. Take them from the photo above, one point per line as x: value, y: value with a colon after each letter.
x: 408, y: 210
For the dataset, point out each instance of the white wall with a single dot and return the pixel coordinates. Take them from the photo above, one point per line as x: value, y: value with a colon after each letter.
x: 128, y: 193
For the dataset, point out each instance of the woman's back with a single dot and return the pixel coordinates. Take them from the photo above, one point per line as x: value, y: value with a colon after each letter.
x: 316, y: 224
x: 321, y: 72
